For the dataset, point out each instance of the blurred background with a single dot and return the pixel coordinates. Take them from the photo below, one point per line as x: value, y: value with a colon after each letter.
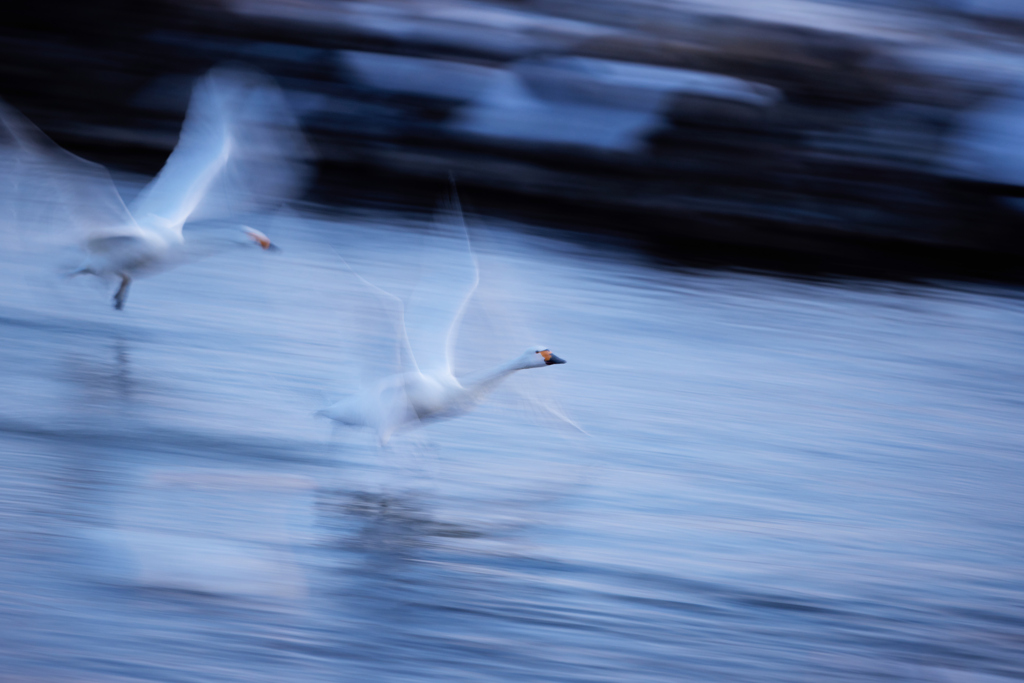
x: 873, y: 136
x: 777, y: 241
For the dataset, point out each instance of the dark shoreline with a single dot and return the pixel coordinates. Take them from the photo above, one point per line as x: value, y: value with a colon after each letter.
x: 715, y: 186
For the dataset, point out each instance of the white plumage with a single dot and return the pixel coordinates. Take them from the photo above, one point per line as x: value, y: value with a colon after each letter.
x: 239, y: 148
x: 426, y: 388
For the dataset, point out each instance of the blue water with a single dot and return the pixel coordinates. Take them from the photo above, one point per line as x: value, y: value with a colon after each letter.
x: 781, y: 480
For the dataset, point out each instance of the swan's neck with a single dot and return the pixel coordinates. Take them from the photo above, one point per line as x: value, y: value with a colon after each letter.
x: 204, y: 243
x: 485, y: 381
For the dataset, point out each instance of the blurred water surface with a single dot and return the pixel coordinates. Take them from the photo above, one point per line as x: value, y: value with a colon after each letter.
x: 783, y: 480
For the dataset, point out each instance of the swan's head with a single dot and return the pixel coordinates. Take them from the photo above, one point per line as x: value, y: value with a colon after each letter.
x: 258, y: 238
x: 538, y: 357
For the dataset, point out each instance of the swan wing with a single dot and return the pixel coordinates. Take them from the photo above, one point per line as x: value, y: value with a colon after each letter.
x: 42, y: 171
x: 448, y: 278
x: 203, y: 148
x: 239, y: 148
x: 400, y: 356
x: 380, y: 354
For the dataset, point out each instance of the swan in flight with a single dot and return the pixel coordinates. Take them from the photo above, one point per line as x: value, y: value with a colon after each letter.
x: 426, y: 387
x: 239, y: 147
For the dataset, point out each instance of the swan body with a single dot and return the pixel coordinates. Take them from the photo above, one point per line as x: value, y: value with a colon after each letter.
x: 412, y: 397
x: 428, y: 389
x: 218, y: 148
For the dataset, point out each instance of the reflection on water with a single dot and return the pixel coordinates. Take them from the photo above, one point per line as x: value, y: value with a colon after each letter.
x: 103, y: 380
x: 784, y: 480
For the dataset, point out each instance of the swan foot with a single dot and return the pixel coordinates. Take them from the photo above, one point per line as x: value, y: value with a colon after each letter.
x: 122, y: 292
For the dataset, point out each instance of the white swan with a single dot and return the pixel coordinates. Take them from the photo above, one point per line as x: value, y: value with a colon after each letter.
x: 238, y: 138
x: 427, y: 388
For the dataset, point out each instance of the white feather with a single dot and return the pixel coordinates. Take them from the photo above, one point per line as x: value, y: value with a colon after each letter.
x: 239, y: 150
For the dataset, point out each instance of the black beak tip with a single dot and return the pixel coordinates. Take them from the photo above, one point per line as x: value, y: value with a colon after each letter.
x: 273, y: 247
x: 554, y: 360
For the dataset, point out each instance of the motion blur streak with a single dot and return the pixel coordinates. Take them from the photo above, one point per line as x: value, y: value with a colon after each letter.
x: 786, y: 481
x: 777, y: 241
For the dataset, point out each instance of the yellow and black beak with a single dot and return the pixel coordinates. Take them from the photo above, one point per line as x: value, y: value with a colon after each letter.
x: 261, y: 239
x: 550, y: 358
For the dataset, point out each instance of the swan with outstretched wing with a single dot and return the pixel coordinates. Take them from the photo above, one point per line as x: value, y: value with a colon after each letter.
x: 239, y: 146
x: 426, y: 388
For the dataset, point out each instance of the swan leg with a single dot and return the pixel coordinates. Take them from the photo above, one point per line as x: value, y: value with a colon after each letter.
x: 122, y: 292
